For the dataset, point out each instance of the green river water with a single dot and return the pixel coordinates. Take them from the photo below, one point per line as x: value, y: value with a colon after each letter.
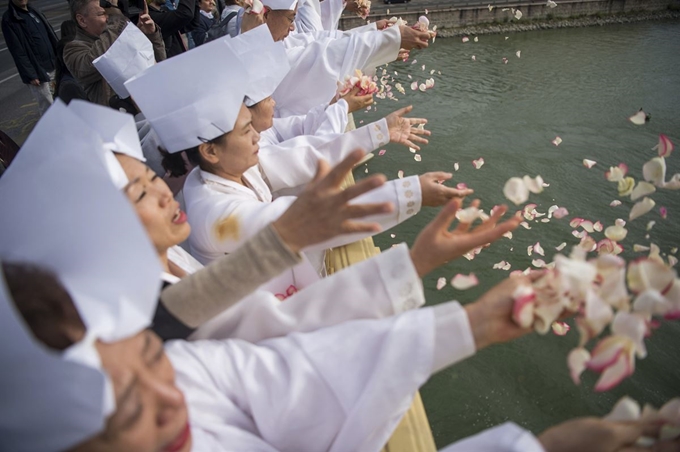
x: 580, y: 84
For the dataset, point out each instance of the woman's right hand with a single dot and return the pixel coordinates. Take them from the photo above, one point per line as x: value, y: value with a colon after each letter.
x: 434, y: 193
x: 356, y: 102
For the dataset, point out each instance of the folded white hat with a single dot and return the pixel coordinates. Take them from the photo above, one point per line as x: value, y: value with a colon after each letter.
x: 264, y: 59
x: 68, y: 218
x: 193, y: 97
x: 130, y: 54
x: 117, y: 131
x: 280, y: 4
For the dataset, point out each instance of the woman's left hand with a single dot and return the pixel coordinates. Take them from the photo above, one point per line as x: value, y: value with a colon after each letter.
x: 404, y: 130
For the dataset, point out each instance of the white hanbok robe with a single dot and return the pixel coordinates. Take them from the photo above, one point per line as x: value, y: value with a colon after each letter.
x: 331, y: 11
x: 317, y: 67
x: 308, y: 16
x: 211, y: 199
x: 341, y: 389
x: 321, y: 120
x: 291, y: 164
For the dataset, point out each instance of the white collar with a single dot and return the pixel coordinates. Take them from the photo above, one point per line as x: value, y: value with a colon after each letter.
x: 256, y: 189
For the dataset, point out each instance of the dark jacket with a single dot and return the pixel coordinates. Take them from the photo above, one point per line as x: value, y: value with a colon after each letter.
x: 21, y: 45
x: 172, y: 23
x: 201, y: 31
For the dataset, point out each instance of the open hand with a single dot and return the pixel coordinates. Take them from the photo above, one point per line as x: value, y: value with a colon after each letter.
x: 356, y: 102
x: 322, y: 211
x: 402, y: 130
x: 437, y: 245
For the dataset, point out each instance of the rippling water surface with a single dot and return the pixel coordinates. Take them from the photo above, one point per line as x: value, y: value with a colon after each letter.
x: 580, y: 84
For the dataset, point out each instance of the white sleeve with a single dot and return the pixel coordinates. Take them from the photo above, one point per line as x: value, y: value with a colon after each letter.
x: 338, y: 389
x: 362, y: 29
x: 405, y: 196
x: 331, y: 11
x: 308, y: 18
x: 321, y: 120
x: 507, y: 437
x: 382, y: 286
x: 294, y: 162
x: 317, y: 68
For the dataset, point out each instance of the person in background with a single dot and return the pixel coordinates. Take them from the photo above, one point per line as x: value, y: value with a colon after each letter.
x: 173, y: 23
x: 32, y: 42
x: 98, y: 28
x: 206, y: 20
x: 233, y: 10
x: 66, y: 86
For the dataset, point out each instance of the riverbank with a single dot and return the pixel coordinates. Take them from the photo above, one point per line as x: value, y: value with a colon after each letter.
x: 547, y: 24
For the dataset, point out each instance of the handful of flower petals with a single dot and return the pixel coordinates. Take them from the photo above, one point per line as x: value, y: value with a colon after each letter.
x: 365, y: 84
x: 596, y: 291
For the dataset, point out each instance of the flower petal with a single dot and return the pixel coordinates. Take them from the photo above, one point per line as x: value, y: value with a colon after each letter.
x: 654, y: 171
x: 665, y: 147
x: 478, y: 163
x: 642, y: 189
x: 649, y: 273
x: 626, y: 409
x: 616, y: 373
x: 576, y: 361
x: 638, y: 118
x: 441, y: 282
x: 615, y: 203
x: 560, y: 328
x: 464, y: 282
x: 516, y: 190
x: 625, y: 186
x: 456, y: 166
x: 417, y: 157
x: 561, y: 246
x: 615, y: 233
x: 641, y: 207
x: 557, y: 141
x: 534, y: 185
x: 523, y: 308
x: 589, y: 163
x: 518, y: 53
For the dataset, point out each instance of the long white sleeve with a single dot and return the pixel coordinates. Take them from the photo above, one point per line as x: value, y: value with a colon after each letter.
x: 331, y: 11
x: 506, y: 437
x: 382, y: 286
x: 294, y: 162
x: 321, y: 120
x: 317, y: 67
x: 308, y: 17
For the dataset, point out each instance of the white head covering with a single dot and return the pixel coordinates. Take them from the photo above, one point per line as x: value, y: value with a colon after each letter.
x: 197, y: 110
x: 280, y: 4
x: 130, y: 54
x: 65, y: 218
x: 118, y: 132
x: 264, y: 59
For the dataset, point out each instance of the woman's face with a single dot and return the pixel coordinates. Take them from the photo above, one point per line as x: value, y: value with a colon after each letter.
x: 207, y: 5
x: 231, y: 157
x: 263, y: 114
x: 160, y: 214
x: 151, y: 413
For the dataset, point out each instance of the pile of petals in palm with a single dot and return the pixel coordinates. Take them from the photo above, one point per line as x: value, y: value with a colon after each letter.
x: 596, y: 291
x: 364, y: 83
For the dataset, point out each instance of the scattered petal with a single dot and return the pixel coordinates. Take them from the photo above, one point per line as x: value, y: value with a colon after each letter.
x: 625, y: 186
x: 478, y: 163
x: 663, y: 212
x: 525, y: 225
x: 417, y: 158
x: 414, y: 85
x: 464, y: 282
x: 616, y: 173
x: 538, y: 249
x: 523, y: 307
x: 441, y: 282
x: 518, y: 53
x: 474, y: 58
x: 615, y: 203
x: 456, y: 166
x: 538, y: 263
x: 561, y: 246
x: 518, y: 14
x: 382, y: 152
x: 400, y: 174
x: 505, y: 60
x: 560, y: 213
x: 508, y: 235
x: 476, y: 39
x: 534, y: 185
x: 557, y: 141
x: 465, y: 39
x: 550, y: 4
x: 638, y: 118
x: 615, y: 233
x: 640, y: 248
x: 576, y: 361
x: 502, y: 265
x: 650, y: 225
x: 654, y: 171
x: 665, y: 147
x: 598, y: 227
x: 560, y: 328
x: 642, y: 189
x: 589, y: 163
x: 516, y: 191
x: 626, y: 409
x: 641, y: 207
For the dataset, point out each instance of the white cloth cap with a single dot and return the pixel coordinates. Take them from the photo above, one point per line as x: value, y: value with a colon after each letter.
x: 65, y: 218
x: 117, y: 130
x: 264, y: 59
x: 197, y: 110
x: 129, y: 55
x: 275, y: 5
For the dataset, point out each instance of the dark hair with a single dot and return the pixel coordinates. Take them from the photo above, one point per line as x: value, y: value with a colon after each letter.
x: 44, y: 304
x: 175, y: 163
x: 68, y: 30
x: 77, y: 7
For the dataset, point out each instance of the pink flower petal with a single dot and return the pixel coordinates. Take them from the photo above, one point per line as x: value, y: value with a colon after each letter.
x: 589, y: 163
x: 663, y: 212
x: 464, y: 282
x: 576, y: 361
x: 576, y: 222
x: 523, y: 308
x: 400, y: 174
x: 441, y: 282
x: 461, y: 186
x: 615, y: 203
x: 615, y: 374
x: 414, y: 86
x: 588, y: 226
x: 649, y: 273
x: 560, y: 213
x: 607, y: 352
x: 641, y: 207
x: 638, y: 118
x: 382, y: 152
x: 665, y: 147
x: 560, y: 328
x: 478, y: 163
x: 465, y: 39
x: 538, y: 249
x: 557, y: 141
x: 597, y: 227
